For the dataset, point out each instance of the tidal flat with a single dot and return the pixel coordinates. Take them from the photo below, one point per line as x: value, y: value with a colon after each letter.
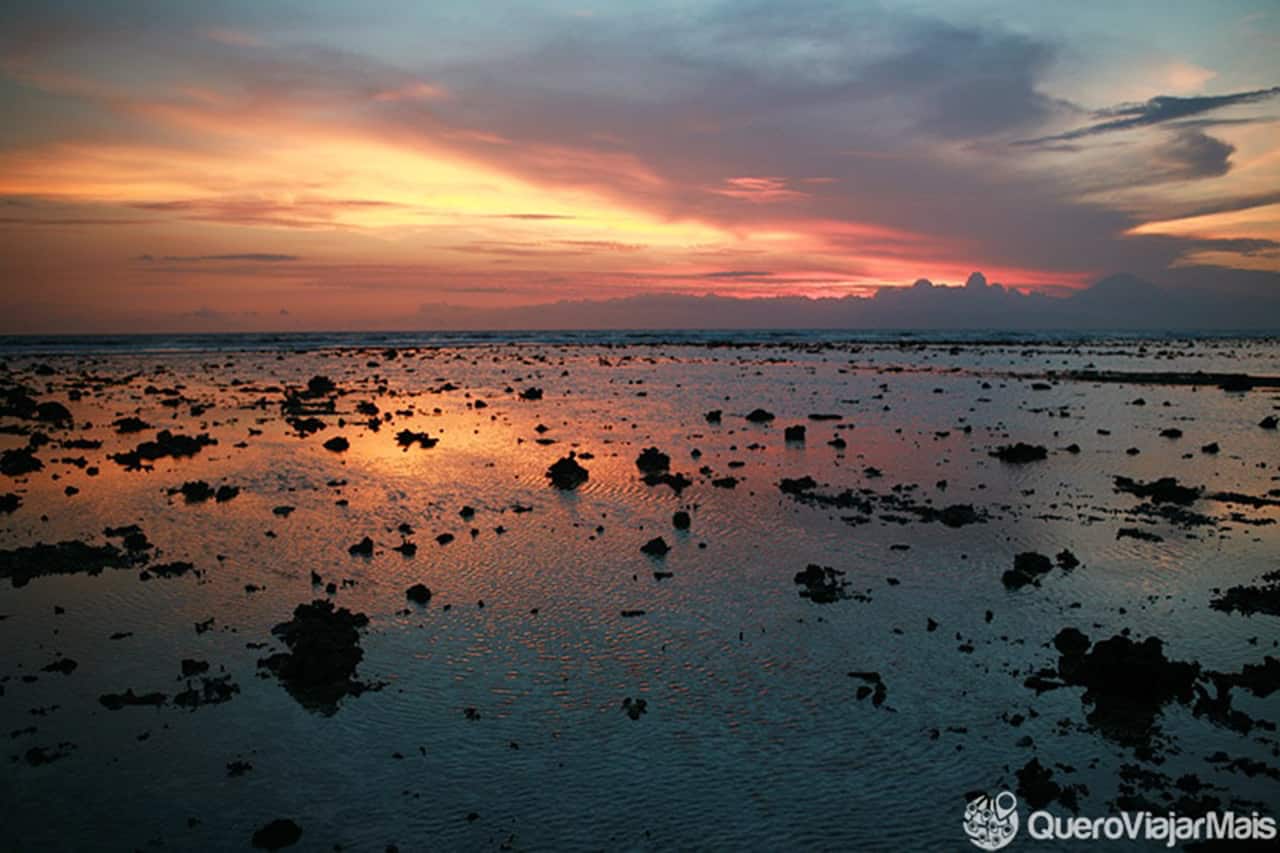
x: 792, y: 593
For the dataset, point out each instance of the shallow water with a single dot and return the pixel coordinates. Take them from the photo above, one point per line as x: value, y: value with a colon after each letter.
x: 754, y: 737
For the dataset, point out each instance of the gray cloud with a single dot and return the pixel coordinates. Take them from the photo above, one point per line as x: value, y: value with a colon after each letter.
x: 1158, y: 110
x: 255, y: 257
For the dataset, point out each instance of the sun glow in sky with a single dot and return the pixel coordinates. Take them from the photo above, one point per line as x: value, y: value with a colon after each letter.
x: 335, y: 166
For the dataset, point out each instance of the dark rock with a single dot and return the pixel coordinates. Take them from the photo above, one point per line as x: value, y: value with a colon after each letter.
x: 52, y: 412
x: 797, y: 485
x: 418, y: 594
x: 822, y: 584
x: 194, y: 491
x: 363, y: 548
x: 1163, y: 490
x: 192, y: 667
x: 281, y: 832
x: 1126, y: 681
x: 760, y: 416
x: 874, y: 687
x: 66, y: 666
x: 531, y: 394
x: 320, y: 386
x: 1037, y: 788
x: 408, y: 438
x: 1171, y: 432
x: 1139, y: 534
x: 10, y: 502
x: 337, y: 444
x: 653, y: 461
x: 656, y: 547
x: 1263, y: 597
x: 212, y: 691
x: 677, y: 482
x: 128, y: 425
x: 165, y: 444
x: 1020, y: 453
x: 567, y: 474
x: 795, y: 433
x: 19, y: 461
x: 1028, y: 568
x: 116, y: 701
x: 20, y: 565
x: 324, y: 651
x: 633, y: 708
x: 681, y: 520
x: 1269, y: 422
x: 713, y: 416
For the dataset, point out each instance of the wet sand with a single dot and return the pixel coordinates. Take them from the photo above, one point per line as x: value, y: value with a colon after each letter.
x: 552, y: 596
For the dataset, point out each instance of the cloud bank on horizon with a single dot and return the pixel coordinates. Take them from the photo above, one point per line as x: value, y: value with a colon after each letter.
x: 334, y: 165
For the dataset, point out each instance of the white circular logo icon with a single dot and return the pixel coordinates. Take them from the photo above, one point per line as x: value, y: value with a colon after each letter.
x: 991, y: 822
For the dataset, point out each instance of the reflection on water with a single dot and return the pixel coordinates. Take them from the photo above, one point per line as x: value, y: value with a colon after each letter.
x: 496, y: 710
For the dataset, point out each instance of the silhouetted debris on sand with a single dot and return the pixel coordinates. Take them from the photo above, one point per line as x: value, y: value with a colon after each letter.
x: 337, y: 444
x: 760, y: 416
x: 1020, y: 453
x: 713, y: 416
x: 363, y: 548
x: 10, y: 502
x: 165, y: 444
x: 1260, y: 598
x: 822, y: 584
x: 531, y: 394
x: 1269, y: 422
x: 278, y: 834
x: 1163, y: 490
x: 567, y: 474
x: 324, y: 651
x: 681, y: 520
x: 794, y: 433
x: 418, y: 594
x: 634, y: 708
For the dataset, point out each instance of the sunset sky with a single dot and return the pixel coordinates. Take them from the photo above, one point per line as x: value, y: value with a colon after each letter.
x: 335, y: 165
